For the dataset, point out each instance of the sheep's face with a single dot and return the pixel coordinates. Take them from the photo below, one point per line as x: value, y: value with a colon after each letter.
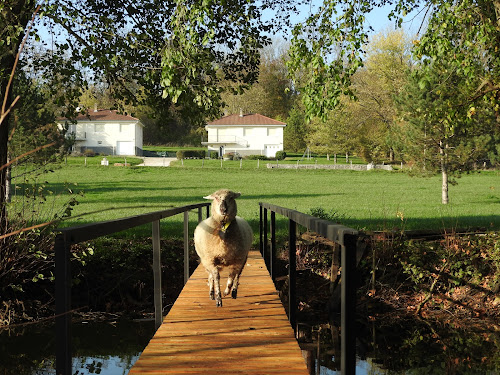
x: 223, y: 205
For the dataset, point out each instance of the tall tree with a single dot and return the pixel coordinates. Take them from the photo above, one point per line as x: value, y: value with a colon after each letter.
x: 384, y: 74
x: 441, y: 132
x: 330, y: 45
x: 142, y: 50
x: 14, y: 17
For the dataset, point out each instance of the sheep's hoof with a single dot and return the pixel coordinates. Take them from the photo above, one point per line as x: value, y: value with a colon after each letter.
x: 234, y: 292
x: 218, y: 303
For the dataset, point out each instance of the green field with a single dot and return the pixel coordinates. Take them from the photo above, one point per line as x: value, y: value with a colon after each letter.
x: 364, y: 200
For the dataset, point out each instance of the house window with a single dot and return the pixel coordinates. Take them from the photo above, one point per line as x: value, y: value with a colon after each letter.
x: 272, y: 132
x: 99, y: 128
x: 248, y: 131
x: 123, y: 128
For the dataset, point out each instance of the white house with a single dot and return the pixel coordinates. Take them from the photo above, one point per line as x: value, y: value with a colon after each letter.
x: 106, y: 132
x: 250, y: 134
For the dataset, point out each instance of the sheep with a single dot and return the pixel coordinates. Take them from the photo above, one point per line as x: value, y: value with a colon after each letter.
x: 223, y: 240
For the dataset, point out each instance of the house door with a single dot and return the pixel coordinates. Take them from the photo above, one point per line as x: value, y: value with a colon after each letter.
x: 271, y: 150
x: 125, y: 148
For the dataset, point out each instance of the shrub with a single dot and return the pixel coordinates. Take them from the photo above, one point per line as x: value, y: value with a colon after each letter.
x: 214, y: 155
x: 190, y: 154
x: 280, y: 155
x: 257, y: 157
x: 89, y: 152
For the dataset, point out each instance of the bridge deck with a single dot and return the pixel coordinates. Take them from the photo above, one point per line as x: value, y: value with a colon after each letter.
x: 248, y: 335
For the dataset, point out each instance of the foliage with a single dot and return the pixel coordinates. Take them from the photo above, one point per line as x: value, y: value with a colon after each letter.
x: 273, y: 94
x: 280, y: 155
x: 295, y: 131
x: 27, y: 257
x: 184, y: 154
x: 257, y: 157
x: 205, y: 48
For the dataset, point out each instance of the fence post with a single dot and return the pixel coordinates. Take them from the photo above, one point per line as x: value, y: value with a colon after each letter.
x: 264, y: 247
x: 186, y: 247
x: 261, y: 244
x: 348, y: 305
x: 200, y: 215
x: 63, y: 305
x: 292, y: 305
x: 272, y: 260
x: 157, y: 274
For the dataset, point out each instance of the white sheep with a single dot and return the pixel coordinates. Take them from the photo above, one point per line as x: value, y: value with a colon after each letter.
x: 223, y: 240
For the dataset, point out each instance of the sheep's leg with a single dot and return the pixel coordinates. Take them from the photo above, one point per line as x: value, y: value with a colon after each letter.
x: 233, y: 280
x: 216, y: 287
x: 211, y: 286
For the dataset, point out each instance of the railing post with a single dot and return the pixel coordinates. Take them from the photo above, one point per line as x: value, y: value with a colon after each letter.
x: 208, y: 211
x: 261, y: 242
x: 264, y: 247
x: 63, y: 305
x: 200, y: 215
x: 157, y: 274
x: 292, y: 305
x: 272, y: 261
x: 186, y: 247
x: 348, y: 305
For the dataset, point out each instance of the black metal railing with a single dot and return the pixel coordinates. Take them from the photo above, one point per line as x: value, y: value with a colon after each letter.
x: 347, y: 238
x: 70, y: 236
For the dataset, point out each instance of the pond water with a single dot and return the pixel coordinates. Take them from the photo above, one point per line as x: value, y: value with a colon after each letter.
x: 109, y: 348
x: 405, y: 347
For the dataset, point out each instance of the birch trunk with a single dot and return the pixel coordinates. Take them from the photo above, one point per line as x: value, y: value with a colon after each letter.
x: 444, y: 172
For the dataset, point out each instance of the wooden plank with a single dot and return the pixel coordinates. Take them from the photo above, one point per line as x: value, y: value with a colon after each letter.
x: 248, y: 335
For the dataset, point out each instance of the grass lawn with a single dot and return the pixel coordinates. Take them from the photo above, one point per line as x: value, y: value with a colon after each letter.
x: 364, y: 200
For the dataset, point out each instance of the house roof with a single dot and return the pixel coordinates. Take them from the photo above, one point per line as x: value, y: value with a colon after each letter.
x: 104, y: 115
x: 248, y: 119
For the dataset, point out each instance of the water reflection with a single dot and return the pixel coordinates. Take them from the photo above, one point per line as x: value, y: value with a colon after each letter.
x: 109, y: 348
x: 400, y: 347
x: 405, y: 347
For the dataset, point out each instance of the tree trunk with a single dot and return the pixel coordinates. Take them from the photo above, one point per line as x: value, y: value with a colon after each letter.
x: 4, y: 137
x: 444, y: 171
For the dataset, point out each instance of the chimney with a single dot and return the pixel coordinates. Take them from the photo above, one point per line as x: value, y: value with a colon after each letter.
x: 95, y: 107
x: 241, y: 112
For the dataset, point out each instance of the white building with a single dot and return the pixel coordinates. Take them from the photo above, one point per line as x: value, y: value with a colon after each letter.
x: 106, y: 132
x: 250, y: 134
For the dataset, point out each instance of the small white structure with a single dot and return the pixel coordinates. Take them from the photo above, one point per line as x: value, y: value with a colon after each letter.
x: 250, y: 134
x: 106, y: 132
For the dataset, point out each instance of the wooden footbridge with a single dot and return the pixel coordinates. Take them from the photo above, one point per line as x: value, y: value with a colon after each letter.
x: 248, y: 335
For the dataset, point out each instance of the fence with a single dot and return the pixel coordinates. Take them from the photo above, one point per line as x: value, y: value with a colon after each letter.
x: 347, y: 238
x: 70, y: 236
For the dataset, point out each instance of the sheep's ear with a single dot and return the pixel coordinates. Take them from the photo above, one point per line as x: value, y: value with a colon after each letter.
x: 211, y: 197
x: 236, y: 195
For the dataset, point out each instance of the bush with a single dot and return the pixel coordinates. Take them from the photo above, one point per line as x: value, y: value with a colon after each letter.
x: 190, y: 154
x: 214, y: 155
x: 89, y: 152
x: 280, y: 155
x: 257, y: 157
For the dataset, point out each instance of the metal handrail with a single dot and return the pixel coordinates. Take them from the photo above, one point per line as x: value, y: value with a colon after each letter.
x: 70, y: 236
x: 347, y: 238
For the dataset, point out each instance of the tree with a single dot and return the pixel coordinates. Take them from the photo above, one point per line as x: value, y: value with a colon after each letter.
x: 142, y: 50
x: 330, y: 45
x: 295, y: 131
x: 441, y: 132
x: 384, y: 74
x: 273, y: 94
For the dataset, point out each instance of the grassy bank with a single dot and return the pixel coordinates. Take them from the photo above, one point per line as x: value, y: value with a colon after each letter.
x: 364, y: 200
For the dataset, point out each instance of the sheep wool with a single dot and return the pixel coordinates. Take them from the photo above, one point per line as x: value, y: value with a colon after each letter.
x: 223, y: 240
